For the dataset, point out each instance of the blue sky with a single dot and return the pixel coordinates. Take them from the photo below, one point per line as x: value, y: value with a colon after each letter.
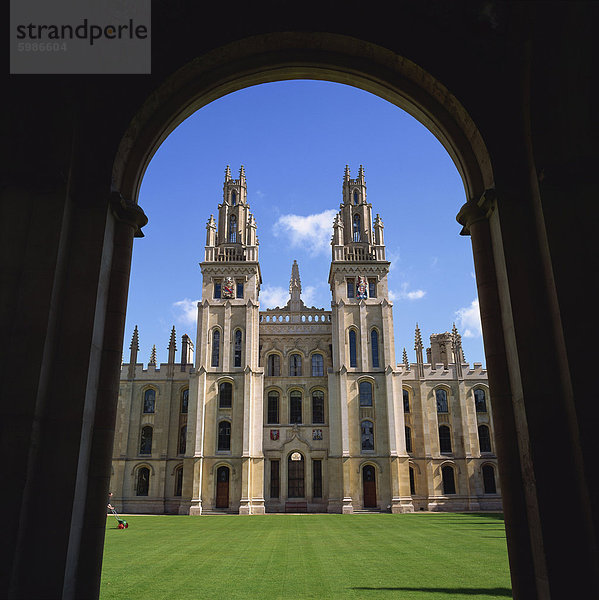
x: 294, y: 139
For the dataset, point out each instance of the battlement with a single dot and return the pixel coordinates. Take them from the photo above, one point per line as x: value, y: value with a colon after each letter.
x: 441, y: 373
x: 157, y: 372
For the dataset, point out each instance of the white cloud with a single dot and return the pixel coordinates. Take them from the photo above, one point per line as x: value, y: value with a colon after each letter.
x: 186, y: 311
x: 393, y: 257
x: 406, y: 294
x: 272, y: 296
x: 468, y: 319
x: 434, y: 261
x: 312, y: 232
x: 309, y: 295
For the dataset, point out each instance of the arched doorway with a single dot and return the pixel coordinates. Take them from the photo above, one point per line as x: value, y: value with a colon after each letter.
x: 369, y: 486
x: 222, y: 487
x: 295, y: 476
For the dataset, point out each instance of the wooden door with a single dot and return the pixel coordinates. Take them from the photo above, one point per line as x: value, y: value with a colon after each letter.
x: 369, y: 485
x: 222, y: 487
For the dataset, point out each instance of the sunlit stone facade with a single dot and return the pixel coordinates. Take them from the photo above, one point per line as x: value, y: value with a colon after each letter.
x: 302, y: 409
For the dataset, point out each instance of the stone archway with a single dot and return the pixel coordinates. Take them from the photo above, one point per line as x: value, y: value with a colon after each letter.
x: 69, y: 246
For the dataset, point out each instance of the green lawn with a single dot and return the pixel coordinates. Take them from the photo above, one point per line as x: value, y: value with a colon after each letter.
x: 412, y: 556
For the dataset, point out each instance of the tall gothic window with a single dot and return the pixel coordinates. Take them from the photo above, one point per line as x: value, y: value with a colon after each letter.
x: 185, y: 401
x: 317, y: 479
x: 356, y: 197
x: 317, y: 407
x: 444, y: 439
x: 480, y: 401
x: 448, y: 480
x: 273, y: 408
x: 317, y: 365
x: 274, y: 479
x: 224, y: 435
x: 365, y: 389
x: 225, y: 395
x: 295, y: 407
x: 351, y: 287
x: 356, y: 230
x: 441, y: 396
x: 145, y: 444
x: 217, y: 289
x: 295, y: 365
x: 240, y: 289
x: 412, y: 482
x: 215, y: 348
x: 183, y: 439
x: 367, y: 435
x: 149, y: 401
x: 406, y: 401
x: 489, y: 479
x: 408, y: 439
x: 142, y: 485
x: 178, y: 481
x: 233, y: 197
x: 353, y: 348
x: 237, y: 349
x: 295, y: 476
x: 274, y: 365
x: 232, y: 229
x: 484, y: 438
x: 374, y: 344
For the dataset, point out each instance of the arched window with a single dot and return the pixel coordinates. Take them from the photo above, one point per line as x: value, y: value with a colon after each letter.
x: 149, y: 401
x: 145, y: 444
x: 408, y: 439
x: 295, y: 365
x: 178, y: 481
x: 448, y: 480
x: 273, y: 408
x: 183, y: 439
x: 295, y: 407
x: 232, y: 229
x: 185, y: 401
x: 225, y: 395
x: 412, y: 482
x: 365, y: 389
x: 484, y: 438
x: 357, y: 234
x: 237, y: 349
x: 224, y: 435
x: 317, y: 365
x: 442, y: 405
x: 374, y: 344
x: 367, y: 435
x: 406, y: 401
x: 274, y: 365
x: 233, y: 197
x: 142, y: 485
x: 295, y: 475
x: 356, y: 197
x: 353, y: 353
x: 317, y: 407
x: 444, y: 439
x: 480, y: 400
x: 489, y: 479
x: 215, y: 348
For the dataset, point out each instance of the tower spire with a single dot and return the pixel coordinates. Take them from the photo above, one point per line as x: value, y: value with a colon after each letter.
x: 134, y: 350
x: 346, y: 175
x: 456, y: 346
x: 152, y: 360
x: 405, y: 359
x: 228, y: 173
x: 172, y: 346
x: 295, y: 288
x: 418, y: 348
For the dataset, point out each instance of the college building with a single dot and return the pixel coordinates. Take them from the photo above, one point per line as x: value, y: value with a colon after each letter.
x: 297, y: 408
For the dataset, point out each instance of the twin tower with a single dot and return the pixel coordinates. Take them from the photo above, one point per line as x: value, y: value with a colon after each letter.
x: 298, y: 408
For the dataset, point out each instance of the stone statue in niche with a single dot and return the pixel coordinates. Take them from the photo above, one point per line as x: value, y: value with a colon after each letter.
x: 228, y: 289
x: 361, y: 287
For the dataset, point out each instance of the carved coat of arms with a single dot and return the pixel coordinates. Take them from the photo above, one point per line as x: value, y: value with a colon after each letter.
x: 274, y: 434
x: 228, y: 288
x: 361, y: 287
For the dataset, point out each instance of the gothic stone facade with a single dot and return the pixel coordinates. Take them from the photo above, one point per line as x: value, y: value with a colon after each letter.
x: 302, y: 409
